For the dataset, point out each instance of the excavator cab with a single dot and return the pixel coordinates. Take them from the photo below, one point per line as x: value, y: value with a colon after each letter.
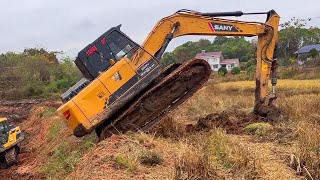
x: 104, y: 52
x: 4, y: 132
x: 110, y: 70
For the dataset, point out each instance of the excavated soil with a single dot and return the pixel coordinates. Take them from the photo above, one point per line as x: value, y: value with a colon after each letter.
x: 233, y: 121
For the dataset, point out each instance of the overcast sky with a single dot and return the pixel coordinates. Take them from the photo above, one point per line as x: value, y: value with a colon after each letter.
x: 69, y: 25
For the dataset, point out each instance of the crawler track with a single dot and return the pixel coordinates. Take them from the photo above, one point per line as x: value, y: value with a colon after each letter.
x: 174, y: 86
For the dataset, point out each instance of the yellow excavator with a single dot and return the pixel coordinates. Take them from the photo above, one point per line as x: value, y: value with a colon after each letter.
x: 124, y: 88
x: 10, y: 139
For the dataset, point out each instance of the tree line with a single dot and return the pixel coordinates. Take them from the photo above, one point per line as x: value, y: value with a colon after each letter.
x: 35, y: 72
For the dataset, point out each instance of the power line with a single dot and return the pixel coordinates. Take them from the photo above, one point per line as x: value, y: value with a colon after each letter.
x: 312, y: 18
x: 315, y: 17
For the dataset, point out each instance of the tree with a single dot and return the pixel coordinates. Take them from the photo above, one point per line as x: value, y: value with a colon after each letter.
x: 235, y: 70
x: 234, y: 47
x: 313, y: 53
x: 251, y: 70
x: 293, y: 36
x: 35, y: 72
x: 203, y: 43
x: 219, y: 40
x: 167, y: 59
x: 51, y: 56
x: 222, y: 71
x: 186, y: 51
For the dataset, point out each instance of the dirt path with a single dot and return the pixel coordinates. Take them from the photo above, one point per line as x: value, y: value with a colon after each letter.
x: 270, y: 158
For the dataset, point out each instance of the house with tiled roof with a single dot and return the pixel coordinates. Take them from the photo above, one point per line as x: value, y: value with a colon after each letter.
x: 216, y: 60
x: 308, y: 48
x: 303, y: 53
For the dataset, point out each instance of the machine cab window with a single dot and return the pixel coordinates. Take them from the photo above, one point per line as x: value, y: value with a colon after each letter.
x: 3, y: 132
x: 2, y: 128
x: 100, y: 55
x: 120, y: 45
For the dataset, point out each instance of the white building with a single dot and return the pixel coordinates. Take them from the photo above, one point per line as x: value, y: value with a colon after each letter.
x: 216, y: 60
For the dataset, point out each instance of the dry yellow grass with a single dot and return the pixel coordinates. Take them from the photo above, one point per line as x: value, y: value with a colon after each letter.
x: 215, y: 154
x: 298, y: 99
x: 283, y: 84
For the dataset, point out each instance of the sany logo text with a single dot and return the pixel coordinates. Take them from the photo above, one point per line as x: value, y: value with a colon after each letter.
x: 222, y: 27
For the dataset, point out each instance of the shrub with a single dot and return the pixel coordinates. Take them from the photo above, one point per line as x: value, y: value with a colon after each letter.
x: 150, y: 158
x: 292, y: 61
x: 289, y: 73
x: 127, y: 162
x: 222, y: 71
x: 257, y: 128
x: 235, y: 70
x: 34, y: 89
x: 313, y: 53
x: 251, y: 62
x: 251, y: 70
x: 243, y: 66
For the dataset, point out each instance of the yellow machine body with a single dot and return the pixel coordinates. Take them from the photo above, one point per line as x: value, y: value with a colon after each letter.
x: 13, y: 135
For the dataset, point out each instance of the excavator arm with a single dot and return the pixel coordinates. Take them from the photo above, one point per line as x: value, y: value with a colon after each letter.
x: 186, y: 22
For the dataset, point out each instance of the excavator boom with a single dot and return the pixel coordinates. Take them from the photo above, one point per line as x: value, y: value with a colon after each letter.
x: 187, y: 22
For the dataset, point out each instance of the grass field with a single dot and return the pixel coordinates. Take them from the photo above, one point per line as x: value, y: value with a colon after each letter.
x: 213, y: 135
x: 246, y: 150
x: 299, y: 101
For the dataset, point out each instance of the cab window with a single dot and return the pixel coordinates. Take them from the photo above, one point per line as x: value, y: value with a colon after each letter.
x: 2, y: 128
x: 120, y: 45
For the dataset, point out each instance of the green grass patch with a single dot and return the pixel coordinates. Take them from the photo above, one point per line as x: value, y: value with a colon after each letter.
x: 150, y: 158
x: 125, y: 161
x: 48, y: 112
x: 259, y: 129
x: 225, y: 152
x: 55, y: 129
x: 66, y: 156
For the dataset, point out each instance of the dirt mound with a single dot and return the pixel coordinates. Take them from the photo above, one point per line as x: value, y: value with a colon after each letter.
x: 233, y: 121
